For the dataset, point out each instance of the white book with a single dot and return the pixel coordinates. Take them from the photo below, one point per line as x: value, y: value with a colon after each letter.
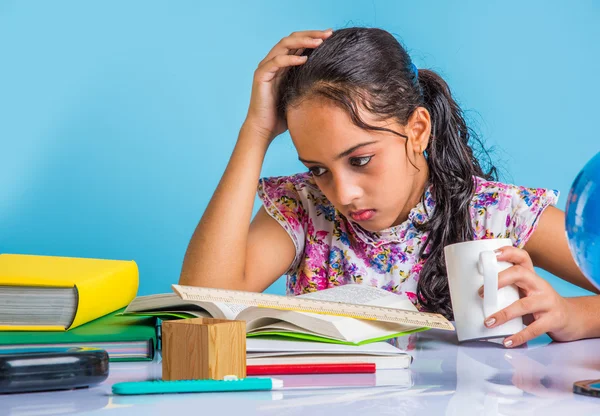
x: 274, y: 351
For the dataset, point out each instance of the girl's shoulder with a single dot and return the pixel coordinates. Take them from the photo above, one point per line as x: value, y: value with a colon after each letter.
x: 299, y: 206
x: 502, y: 196
x: 503, y: 210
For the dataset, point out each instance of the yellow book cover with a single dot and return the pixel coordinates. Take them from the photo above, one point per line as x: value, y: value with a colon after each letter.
x: 102, y: 286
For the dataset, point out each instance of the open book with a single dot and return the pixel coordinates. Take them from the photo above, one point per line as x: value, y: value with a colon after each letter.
x: 309, y: 326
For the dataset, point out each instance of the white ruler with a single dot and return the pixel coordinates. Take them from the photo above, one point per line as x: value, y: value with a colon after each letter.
x: 265, y: 300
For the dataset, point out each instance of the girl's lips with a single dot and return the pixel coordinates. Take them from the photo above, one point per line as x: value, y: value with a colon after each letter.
x: 362, y: 215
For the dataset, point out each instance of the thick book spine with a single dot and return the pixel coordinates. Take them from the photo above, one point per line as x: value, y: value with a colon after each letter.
x: 106, y: 293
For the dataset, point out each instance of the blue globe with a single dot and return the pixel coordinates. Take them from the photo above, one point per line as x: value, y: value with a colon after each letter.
x: 583, y: 220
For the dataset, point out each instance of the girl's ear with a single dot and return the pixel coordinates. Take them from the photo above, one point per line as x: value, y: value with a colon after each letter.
x: 419, y: 130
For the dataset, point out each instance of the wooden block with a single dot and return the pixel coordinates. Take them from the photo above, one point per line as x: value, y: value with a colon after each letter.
x: 203, y: 348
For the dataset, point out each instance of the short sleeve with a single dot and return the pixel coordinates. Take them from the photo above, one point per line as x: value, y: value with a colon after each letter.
x: 284, y: 199
x: 509, y: 211
x: 528, y: 204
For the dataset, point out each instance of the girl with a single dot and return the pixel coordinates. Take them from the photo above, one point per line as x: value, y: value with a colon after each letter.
x: 391, y: 180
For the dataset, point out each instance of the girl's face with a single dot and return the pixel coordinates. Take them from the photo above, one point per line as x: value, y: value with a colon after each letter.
x: 365, y: 174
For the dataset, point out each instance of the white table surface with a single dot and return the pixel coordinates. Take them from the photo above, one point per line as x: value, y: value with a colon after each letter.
x: 479, y: 378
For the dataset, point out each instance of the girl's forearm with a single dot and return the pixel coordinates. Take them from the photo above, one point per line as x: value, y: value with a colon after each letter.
x: 586, y: 316
x: 216, y: 253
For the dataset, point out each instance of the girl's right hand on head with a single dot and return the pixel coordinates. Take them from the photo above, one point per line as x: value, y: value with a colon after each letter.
x: 262, y: 115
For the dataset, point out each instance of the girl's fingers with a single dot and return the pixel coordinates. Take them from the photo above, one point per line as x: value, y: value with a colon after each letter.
x: 268, y: 70
x: 301, y: 42
x: 515, y: 256
x: 537, y: 328
x: 287, y: 45
x: 516, y: 275
x: 524, y: 306
x: 297, y: 41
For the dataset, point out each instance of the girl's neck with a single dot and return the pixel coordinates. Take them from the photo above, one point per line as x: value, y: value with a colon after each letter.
x: 417, y: 192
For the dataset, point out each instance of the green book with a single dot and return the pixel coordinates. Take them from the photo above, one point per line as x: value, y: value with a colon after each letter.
x: 125, y: 338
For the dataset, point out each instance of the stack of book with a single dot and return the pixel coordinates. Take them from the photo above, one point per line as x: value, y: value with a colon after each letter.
x: 277, y: 336
x: 52, y: 301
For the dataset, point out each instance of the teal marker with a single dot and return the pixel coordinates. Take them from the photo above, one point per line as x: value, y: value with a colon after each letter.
x: 197, y: 386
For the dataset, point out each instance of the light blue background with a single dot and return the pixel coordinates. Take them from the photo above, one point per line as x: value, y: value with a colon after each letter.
x: 117, y: 118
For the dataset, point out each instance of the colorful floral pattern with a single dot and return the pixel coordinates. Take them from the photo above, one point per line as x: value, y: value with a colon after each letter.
x: 332, y: 250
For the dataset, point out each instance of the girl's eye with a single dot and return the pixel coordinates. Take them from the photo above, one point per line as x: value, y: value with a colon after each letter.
x: 360, y: 161
x: 316, y: 171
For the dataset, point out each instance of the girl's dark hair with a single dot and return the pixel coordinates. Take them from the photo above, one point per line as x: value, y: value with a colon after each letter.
x: 368, y: 68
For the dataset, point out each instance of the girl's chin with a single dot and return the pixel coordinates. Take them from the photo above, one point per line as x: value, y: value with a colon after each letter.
x: 375, y: 227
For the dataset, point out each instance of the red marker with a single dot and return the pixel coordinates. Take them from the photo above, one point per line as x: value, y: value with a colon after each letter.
x: 273, y: 369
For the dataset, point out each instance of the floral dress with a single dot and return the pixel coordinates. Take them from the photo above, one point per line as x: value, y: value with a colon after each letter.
x: 333, y: 250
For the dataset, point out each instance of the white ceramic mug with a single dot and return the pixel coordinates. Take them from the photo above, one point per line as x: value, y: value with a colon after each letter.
x: 470, y: 265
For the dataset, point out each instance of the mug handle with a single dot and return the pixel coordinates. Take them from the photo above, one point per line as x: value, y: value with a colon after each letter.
x: 488, y: 267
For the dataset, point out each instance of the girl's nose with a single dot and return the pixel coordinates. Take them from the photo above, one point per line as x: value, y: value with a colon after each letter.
x: 347, y: 191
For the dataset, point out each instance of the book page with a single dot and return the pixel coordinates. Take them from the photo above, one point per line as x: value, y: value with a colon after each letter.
x: 357, y: 330
x: 356, y: 294
x: 173, y: 303
x: 362, y: 295
x: 230, y: 310
x: 333, y: 326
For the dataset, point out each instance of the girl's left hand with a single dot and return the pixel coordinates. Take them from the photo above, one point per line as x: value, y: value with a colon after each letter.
x: 551, y: 312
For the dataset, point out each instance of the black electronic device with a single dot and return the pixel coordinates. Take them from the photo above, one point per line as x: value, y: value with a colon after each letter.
x: 43, y: 369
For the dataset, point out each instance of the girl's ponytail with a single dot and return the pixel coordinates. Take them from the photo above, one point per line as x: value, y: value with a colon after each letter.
x: 452, y: 166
